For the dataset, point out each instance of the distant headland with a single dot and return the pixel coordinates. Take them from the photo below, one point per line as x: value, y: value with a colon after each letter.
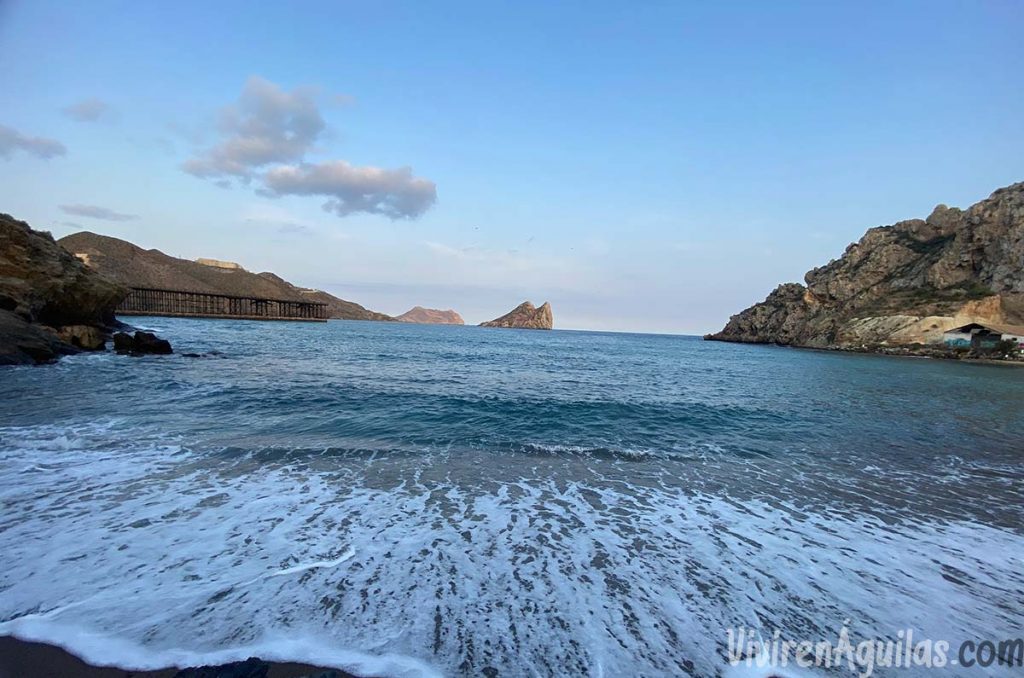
x: 132, y: 266
x: 61, y: 297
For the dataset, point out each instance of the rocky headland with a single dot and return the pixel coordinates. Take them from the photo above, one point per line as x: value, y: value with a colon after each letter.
x: 525, y: 316
x: 133, y: 266
x: 430, y: 316
x: 901, y: 286
x: 51, y: 304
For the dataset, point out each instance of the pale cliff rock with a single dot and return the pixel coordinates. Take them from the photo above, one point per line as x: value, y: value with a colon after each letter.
x: 50, y: 302
x: 903, y: 284
x: 430, y: 316
x: 525, y: 316
x: 217, y: 263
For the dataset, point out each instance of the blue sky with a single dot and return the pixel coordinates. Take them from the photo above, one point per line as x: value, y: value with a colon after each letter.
x: 644, y: 167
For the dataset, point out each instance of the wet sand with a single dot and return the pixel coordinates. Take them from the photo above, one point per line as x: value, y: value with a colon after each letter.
x: 23, y: 659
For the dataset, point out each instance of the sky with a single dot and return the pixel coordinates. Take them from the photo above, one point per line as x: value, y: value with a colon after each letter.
x: 645, y: 167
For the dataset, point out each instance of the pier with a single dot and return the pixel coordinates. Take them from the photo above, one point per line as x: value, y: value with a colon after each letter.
x: 149, y: 301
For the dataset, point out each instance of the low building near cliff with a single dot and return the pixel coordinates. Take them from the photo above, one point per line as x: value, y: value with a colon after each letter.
x: 983, y: 336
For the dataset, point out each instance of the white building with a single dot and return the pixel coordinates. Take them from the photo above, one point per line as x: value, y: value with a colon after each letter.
x: 983, y: 335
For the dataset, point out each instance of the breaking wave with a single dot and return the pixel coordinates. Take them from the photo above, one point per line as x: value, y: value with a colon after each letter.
x: 389, y: 527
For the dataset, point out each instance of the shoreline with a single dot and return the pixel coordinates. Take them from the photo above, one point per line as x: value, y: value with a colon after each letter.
x: 935, y: 353
x: 32, y: 659
x: 928, y: 354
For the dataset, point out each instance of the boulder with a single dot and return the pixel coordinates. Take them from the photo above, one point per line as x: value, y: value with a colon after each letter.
x: 85, y: 337
x: 22, y: 343
x: 141, y: 343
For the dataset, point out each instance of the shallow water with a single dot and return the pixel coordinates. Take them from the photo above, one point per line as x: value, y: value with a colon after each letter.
x: 412, y: 500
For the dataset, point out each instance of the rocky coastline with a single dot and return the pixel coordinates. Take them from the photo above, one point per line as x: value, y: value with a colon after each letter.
x: 52, y: 304
x: 59, y: 297
x: 901, y: 286
x: 933, y: 351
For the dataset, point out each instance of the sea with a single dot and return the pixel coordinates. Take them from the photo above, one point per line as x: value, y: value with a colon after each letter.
x: 412, y: 500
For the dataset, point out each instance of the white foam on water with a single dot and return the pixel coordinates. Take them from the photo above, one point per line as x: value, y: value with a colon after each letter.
x: 314, y: 565
x: 102, y: 650
x: 130, y: 550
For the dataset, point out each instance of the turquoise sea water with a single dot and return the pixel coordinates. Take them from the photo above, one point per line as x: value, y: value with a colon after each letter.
x: 420, y: 500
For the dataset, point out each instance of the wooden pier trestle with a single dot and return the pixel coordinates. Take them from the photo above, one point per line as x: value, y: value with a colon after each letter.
x: 149, y: 301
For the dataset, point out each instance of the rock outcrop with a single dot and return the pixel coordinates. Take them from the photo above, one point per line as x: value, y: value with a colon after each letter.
x: 525, y: 316
x: 133, y: 266
x: 85, y: 337
x: 903, y: 284
x: 430, y: 316
x: 50, y: 302
x: 141, y: 343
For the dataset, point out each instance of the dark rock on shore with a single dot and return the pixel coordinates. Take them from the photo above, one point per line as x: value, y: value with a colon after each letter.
x: 250, y: 668
x: 903, y: 284
x: 51, y: 304
x: 26, y: 659
x: 23, y: 343
x: 141, y: 343
x: 525, y: 316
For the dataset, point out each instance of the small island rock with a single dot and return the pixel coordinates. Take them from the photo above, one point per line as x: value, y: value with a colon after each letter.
x: 430, y: 316
x: 525, y: 316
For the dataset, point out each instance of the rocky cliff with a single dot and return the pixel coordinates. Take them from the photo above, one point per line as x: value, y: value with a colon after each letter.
x: 50, y: 302
x: 135, y: 267
x: 903, y: 284
x: 525, y: 316
x: 430, y: 316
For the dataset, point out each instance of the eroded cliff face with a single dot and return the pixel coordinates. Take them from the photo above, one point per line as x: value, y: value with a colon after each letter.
x: 50, y: 302
x: 903, y: 284
x: 525, y: 316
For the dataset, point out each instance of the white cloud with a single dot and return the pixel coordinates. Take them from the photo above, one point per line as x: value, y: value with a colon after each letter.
x: 12, y: 140
x: 87, y: 110
x: 267, y: 125
x: 96, y: 212
x: 265, y: 138
x: 392, y: 193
